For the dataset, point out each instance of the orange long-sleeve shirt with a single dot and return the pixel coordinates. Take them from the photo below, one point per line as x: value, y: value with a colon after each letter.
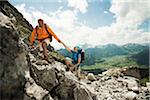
x: 42, y: 33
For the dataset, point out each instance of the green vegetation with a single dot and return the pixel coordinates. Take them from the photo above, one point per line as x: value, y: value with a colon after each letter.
x: 125, y: 53
x: 112, y: 55
x: 109, y: 62
x: 144, y: 80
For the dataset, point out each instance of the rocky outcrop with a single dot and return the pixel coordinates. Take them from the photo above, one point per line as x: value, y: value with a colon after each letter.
x: 91, y: 77
x: 22, y: 26
x: 12, y: 61
x: 61, y: 85
x: 24, y: 75
x: 114, y: 85
x: 47, y: 81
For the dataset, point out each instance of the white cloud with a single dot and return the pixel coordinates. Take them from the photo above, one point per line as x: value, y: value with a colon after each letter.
x: 80, y: 5
x: 105, y: 12
x: 129, y: 15
x: 60, y: 1
x: 62, y: 22
x: 101, y: 0
x: 130, y: 12
x: 26, y: 14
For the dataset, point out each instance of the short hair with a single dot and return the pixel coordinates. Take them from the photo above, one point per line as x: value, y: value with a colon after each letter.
x: 40, y: 20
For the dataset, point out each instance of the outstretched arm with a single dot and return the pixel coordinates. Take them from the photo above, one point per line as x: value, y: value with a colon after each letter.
x: 53, y: 34
x: 79, y: 60
x: 66, y: 47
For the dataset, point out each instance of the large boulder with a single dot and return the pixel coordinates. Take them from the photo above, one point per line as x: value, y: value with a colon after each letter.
x: 130, y: 95
x: 23, y: 27
x: 81, y: 93
x: 32, y: 89
x: 54, y: 78
x: 113, y: 85
x: 114, y: 72
x: 25, y: 76
x: 45, y: 78
x: 91, y: 77
x: 132, y: 83
x: 13, y: 62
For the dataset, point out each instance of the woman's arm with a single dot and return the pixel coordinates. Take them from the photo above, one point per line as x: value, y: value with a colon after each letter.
x: 79, y: 60
x: 66, y: 47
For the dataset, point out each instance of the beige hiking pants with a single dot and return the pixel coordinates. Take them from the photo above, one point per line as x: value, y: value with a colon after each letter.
x: 47, y: 41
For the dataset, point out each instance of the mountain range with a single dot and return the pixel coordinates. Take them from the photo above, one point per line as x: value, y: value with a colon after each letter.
x: 132, y: 53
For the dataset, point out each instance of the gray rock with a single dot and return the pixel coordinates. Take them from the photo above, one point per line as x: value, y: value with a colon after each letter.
x: 130, y: 95
x: 23, y: 27
x: 115, y: 88
x: 44, y: 78
x: 81, y: 93
x: 13, y: 62
x: 148, y: 86
x: 61, y: 84
x: 131, y: 83
x: 48, y: 97
x: 26, y: 97
x: 114, y: 72
x: 91, y: 77
x: 51, y: 81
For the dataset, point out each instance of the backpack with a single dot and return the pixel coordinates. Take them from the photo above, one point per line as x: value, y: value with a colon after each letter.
x: 82, y: 55
x: 50, y: 36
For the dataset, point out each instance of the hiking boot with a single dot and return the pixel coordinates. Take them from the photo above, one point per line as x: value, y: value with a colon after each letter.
x: 50, y: 48
x: 48, y: 60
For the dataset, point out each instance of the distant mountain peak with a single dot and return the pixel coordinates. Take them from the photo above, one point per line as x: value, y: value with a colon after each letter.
x: 86, y: 46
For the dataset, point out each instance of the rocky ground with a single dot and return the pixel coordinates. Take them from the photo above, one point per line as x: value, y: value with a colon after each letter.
x: 53, y: 80
x: 25, y: 76
x: 113, y: 85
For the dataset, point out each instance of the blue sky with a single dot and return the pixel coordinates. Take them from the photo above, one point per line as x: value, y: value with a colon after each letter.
x: 92, y: 22
x: 97, y: 13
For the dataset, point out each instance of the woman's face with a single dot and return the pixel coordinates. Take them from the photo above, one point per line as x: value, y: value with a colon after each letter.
x: 75, y: 49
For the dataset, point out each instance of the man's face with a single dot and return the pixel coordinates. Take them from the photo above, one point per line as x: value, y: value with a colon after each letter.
x: 40, y: 23
x: 75, y: 49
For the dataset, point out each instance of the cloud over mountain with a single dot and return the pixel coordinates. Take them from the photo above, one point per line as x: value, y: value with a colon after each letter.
x: 128, y: 15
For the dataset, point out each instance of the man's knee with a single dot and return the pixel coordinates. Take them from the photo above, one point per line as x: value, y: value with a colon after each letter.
x: 44, y: 44
x: 67, y: 62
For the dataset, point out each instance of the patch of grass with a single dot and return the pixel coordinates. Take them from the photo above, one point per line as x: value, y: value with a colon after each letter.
x: 110, y: 62
x: 144, y: 80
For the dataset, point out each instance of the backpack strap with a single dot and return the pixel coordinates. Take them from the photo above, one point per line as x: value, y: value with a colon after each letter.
x: 36, y: 30
x: 50, y: 36
x: 81, y: 52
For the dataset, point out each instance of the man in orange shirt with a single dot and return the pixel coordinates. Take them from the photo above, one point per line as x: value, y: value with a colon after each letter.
x: 44, y: 36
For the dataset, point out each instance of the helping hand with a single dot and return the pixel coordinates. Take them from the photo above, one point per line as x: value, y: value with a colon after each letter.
x: 59, y: 41
x: 32, y: 46
x: 63, y: 44
x: 76, y: 65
